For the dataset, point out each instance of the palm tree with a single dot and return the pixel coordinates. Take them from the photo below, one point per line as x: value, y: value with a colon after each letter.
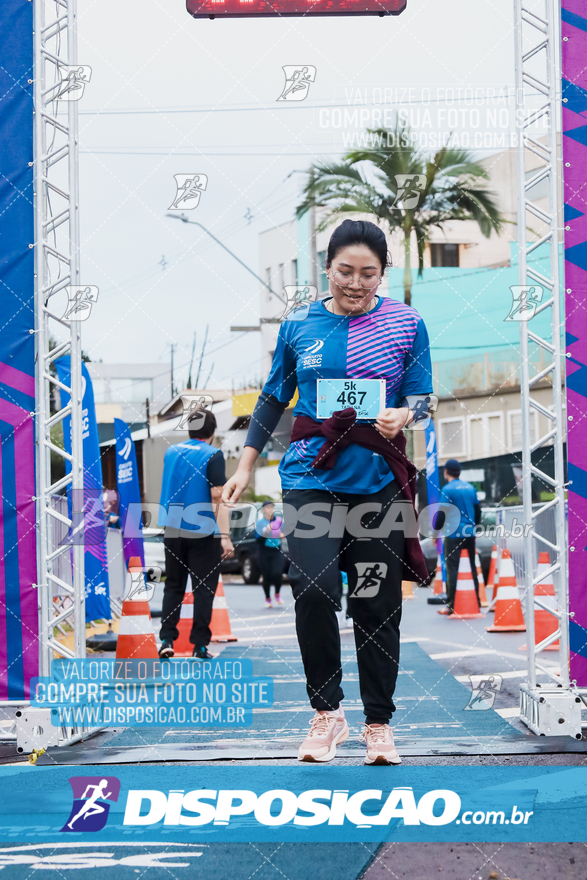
x: 453, y: 189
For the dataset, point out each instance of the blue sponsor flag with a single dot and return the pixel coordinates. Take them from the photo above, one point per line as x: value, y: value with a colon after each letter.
x: 129, y: 493
x: 433, y: 486
x: 94, y: 532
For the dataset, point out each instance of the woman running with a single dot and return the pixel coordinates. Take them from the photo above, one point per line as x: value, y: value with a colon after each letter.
x: 269, y: 537
x: 348, y: 488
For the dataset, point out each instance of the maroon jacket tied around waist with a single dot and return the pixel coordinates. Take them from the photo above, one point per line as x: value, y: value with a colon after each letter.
x: 340, y: 430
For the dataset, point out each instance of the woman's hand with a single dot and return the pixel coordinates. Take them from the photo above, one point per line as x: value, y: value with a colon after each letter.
x: 390, y: 421
x: 235, y: 486
x: 227, y: 548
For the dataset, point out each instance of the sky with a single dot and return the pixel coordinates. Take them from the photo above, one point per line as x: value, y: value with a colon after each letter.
x: 170, y: 95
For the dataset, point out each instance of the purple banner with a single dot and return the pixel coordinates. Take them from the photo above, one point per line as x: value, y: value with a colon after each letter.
x: 574, y: 91
x: 19, y: 625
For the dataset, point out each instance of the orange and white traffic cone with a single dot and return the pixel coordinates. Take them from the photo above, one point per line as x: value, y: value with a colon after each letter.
x: 545, y: 623
x: 493, y: 576
x: 508, y: 608
x: 438, y: 582
x: 493, y: 566
x: 439, y: 590
x: 465, y: 604
x: 408, y: 590
x: 220, y: 623
x: 483, y: 602
x: 136, y: 639
x: 182, y: 647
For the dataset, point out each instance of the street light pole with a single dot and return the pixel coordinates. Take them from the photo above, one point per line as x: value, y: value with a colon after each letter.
x: 184, y: 219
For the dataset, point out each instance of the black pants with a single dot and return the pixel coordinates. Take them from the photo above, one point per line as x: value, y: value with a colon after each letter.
x: 452, y: 554
x: 200, y: 558
x: 271, y: 565
x: 374, y: 567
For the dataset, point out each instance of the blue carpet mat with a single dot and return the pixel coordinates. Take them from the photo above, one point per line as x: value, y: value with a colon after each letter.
x: 430, y: 702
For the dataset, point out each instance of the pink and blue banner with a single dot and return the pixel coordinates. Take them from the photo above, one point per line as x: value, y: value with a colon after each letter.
x: 574, y: 92
x: 129, y: 493
x: 19, y: 632
x: 93, y: 534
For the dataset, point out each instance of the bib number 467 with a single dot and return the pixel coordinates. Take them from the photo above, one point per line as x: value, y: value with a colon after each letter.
x: 350, y: 396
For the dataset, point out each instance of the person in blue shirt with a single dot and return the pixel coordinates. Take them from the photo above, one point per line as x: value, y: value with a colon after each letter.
x: 463, y: 498
x: 338, y: 467
x: 269, y: 537
x: 195, y: 539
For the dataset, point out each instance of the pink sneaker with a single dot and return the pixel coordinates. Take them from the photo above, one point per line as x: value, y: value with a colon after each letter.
x: 327, y: 730
x: 278, y: 599
x: 380, y: 745
x: 268, y: 603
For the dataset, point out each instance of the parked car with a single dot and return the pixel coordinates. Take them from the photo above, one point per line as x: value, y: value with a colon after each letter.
x: 153, y: 546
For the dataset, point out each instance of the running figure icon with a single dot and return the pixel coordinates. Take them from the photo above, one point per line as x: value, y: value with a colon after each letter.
x: 91, y: 807
x: 189, y: 189
x: 297, y: 82
x: 73, y: 82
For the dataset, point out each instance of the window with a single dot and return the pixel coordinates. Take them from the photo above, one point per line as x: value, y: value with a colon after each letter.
x: 451, y: 434
x: 268, y: 280
x: 323, y: 284
x: 294, y: 265
x: 281, y: 278
x: 515, y: 428
x: 485, y: 435
x: 442, y: 255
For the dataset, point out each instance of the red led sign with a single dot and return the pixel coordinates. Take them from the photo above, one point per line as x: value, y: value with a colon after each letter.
x: 261, y: 8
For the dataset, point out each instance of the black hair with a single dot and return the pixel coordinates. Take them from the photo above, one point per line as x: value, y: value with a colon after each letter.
x: 205, y: 430
x: 359, y: 232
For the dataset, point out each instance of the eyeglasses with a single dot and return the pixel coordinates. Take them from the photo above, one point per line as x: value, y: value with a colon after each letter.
x: 345, y: 279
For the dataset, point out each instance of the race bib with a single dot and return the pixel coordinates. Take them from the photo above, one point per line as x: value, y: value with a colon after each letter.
x: 366, y: 396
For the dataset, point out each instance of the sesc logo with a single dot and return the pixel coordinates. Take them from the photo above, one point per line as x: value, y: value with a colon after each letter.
x: 90, y: 802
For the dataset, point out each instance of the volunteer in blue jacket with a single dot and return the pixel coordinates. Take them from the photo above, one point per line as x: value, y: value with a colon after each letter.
x: 463, y: 497
x: 195, y: 540
x: 337, y: 459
